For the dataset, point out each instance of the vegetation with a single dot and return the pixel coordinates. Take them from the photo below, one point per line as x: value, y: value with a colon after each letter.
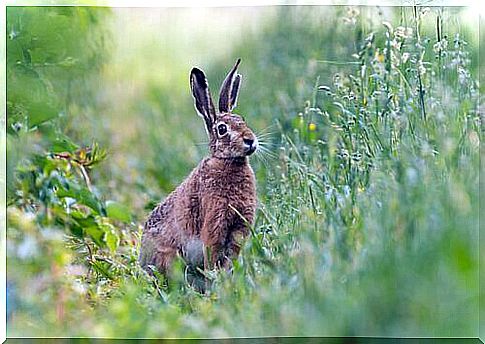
x: 367, y: 175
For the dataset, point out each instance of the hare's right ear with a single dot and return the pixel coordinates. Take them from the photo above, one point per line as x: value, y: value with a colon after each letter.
x: 230, y: 90
x: 202, y: 97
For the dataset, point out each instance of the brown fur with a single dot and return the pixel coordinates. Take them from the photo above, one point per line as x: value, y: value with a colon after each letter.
x: 200, y: 212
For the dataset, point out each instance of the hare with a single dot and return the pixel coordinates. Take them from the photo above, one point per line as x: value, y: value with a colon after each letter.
x: 206, y: 217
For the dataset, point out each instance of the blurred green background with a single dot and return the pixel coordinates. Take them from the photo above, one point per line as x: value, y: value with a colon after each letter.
x: 367, y: 180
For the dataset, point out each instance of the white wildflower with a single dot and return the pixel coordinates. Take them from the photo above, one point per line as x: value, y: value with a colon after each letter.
x: 402, y: 32
x: 404, y: 57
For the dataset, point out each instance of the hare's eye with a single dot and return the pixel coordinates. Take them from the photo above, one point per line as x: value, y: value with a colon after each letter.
x: 222, y: 129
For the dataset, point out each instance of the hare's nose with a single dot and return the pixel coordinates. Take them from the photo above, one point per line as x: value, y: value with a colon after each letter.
x: 248, y: 142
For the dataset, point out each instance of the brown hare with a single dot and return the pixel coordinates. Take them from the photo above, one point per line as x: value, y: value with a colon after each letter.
x: 206, y: 217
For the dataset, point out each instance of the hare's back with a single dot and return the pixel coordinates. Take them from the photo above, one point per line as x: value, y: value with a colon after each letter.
x: 172, y: 220
x: 156, y: 235
x: 157, y: 218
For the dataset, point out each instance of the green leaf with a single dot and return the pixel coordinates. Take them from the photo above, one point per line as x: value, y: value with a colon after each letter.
x: 76, y: 230
x: 82, y: 220
x: 118, y: 211
x: 102, y: 268
x: 88, y: 198
x: 63, y: 144
x: 96, y: 234
x: 82, y: 196
x: 40, y: 112
x: 110, y: 238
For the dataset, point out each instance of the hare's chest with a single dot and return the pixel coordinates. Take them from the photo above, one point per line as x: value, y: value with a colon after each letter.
x: 241, y: 197
x: 231, y: 189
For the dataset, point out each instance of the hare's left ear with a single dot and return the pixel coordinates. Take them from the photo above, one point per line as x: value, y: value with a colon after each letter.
x: 230, y: 90
x: 202, y: 97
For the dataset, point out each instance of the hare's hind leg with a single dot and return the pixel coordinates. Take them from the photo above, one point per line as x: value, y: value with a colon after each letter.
x: 206, y: 257
x: 206, y: 252
x: 163, y: 258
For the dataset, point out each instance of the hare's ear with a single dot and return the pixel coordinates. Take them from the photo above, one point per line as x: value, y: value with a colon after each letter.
x: 202, y: 97
x: 230, y: 90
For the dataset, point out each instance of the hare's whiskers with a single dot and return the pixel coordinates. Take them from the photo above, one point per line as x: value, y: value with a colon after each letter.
x: 265, y: 146
x: 201, y: 143
x: 261, y: 157
x: 265, y: 154
x: 264, y: 135
x: 266, y: 129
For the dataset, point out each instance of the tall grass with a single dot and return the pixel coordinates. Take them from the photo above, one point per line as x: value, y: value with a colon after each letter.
x: 368, y: 216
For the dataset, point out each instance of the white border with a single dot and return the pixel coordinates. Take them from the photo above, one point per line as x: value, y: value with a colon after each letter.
x: 246, y: 3
x: 476, y: 6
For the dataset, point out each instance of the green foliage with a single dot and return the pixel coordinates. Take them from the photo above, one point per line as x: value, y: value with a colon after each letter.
x: 52, y: 50
x: 53, y: 55
x: 368, y: 214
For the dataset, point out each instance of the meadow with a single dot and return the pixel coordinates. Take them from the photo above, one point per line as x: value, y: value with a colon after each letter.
x: 368, y: 174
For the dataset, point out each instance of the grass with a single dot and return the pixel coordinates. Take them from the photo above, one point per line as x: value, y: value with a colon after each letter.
x: 368, y: 216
